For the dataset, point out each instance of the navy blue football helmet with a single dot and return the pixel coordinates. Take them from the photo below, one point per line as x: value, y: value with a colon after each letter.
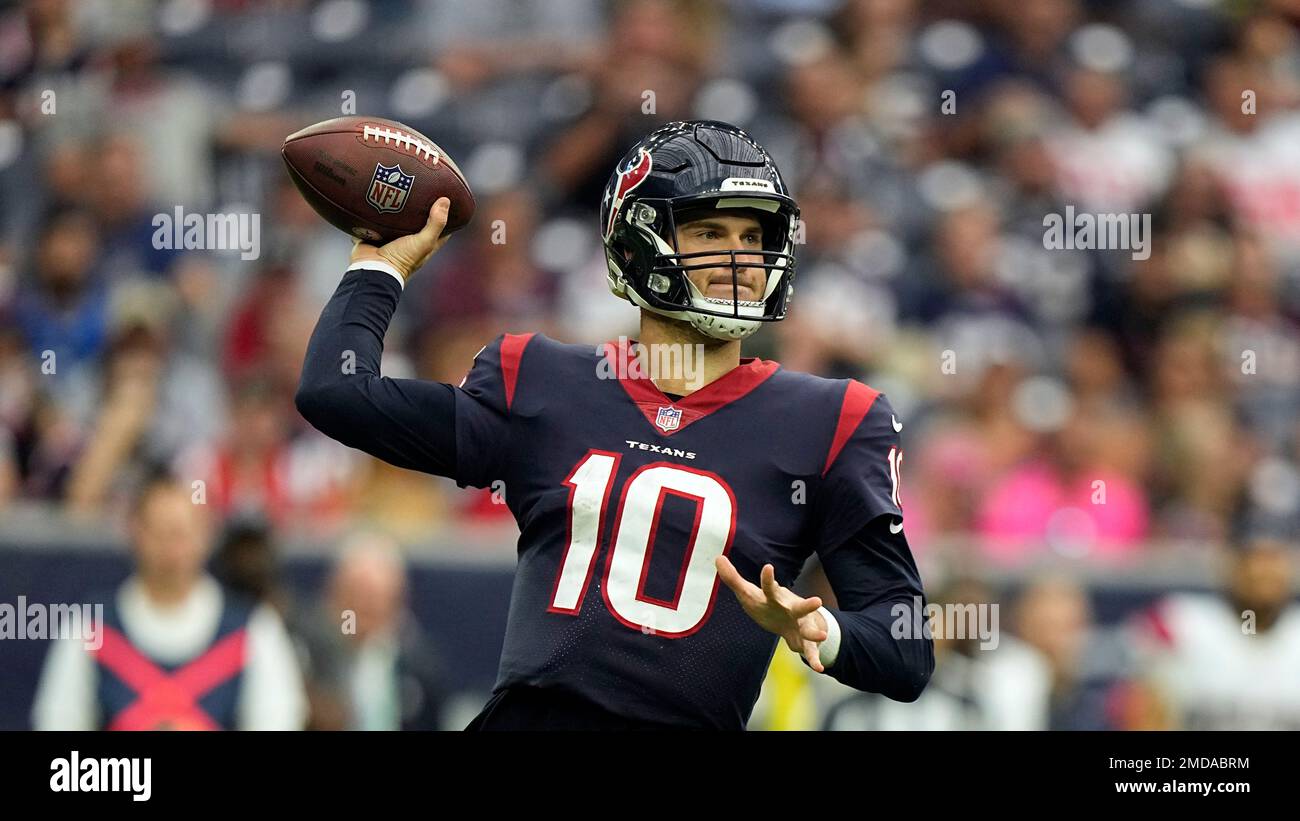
x: 685, y: 166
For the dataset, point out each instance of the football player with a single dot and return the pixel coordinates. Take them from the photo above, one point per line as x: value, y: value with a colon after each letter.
x: 662, y: 516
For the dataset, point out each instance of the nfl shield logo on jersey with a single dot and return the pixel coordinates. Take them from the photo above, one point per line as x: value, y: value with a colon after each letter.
x: 389, y: 188
x: 669, y: 418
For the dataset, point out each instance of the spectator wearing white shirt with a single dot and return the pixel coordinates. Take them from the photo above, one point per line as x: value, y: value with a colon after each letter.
x: 175, y: 650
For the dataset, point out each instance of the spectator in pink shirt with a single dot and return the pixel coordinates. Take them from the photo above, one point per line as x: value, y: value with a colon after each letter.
x: 1073, y: 498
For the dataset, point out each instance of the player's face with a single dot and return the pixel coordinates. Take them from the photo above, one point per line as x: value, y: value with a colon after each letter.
x: 170, y: 536
x: 719, y: 232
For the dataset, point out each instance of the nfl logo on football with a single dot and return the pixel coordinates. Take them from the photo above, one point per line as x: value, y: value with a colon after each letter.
x: 669, y: 418
x: 389, y: 188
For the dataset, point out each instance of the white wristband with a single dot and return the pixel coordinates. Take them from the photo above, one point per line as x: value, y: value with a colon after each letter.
x: 379, y: 265
x: 829, y: 649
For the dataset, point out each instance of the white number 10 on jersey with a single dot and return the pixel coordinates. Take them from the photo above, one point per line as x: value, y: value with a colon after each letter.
x: 635, y: 524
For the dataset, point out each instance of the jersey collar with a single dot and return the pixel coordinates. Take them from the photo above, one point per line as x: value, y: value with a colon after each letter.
x: 641, y: 389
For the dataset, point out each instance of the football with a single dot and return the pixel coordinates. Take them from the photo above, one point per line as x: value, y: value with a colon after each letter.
x: 375, y: 179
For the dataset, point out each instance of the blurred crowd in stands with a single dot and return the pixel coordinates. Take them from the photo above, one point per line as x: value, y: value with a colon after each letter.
x: 1070, y: 403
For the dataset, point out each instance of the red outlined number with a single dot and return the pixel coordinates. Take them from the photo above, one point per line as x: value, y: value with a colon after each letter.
x: 589, y: 484
x: 895, y: 475
x: 636, y: 522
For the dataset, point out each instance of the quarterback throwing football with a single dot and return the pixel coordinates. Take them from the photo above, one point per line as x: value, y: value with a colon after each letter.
x: 660, y: 519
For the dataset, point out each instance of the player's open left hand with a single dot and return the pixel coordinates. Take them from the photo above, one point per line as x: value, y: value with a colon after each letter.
x: 407, y: 254
x: 779, y: 610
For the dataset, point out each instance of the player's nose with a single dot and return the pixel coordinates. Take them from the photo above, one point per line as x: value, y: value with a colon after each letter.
x: 748, y: 262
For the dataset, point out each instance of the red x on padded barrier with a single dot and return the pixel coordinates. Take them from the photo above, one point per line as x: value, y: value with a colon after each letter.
x: 169, y: 701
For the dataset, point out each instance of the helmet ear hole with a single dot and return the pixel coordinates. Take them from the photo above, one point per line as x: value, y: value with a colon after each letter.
x: 625, y: 250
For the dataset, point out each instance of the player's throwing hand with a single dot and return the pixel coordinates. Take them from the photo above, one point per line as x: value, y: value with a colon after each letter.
x: 778, y: 610
x: 407, y: 254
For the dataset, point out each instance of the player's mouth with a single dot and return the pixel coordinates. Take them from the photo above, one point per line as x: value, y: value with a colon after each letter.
x: 720, y: 287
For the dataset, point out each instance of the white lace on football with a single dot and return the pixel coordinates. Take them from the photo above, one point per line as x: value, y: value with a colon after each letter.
x: 391, y: 135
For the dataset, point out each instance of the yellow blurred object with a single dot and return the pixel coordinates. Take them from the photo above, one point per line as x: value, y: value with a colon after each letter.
x: 793, y: 703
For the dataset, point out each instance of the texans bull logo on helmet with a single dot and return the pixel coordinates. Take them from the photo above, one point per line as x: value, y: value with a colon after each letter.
x: 629, y: 177
x: 389, y: 188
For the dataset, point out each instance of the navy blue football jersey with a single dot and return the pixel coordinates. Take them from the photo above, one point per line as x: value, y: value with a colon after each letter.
x: 625, y: 497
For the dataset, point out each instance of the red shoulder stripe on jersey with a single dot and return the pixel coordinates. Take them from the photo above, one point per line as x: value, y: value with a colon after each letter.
x: 858, y: 399
x: 512, y: 350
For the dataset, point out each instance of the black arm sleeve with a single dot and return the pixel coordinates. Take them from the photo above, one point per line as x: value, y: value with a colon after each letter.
x: 410, y: 423
x: 885, y: 643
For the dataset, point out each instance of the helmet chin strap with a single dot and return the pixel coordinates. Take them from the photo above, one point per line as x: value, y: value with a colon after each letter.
x: 715, y: 327
x: 722, y: 327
